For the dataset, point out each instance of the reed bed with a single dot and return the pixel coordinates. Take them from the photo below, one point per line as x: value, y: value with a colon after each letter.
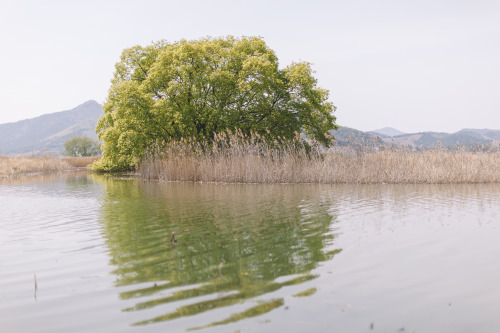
x: 81, y: 162
x: 239, y: 159
x: 22, y: 165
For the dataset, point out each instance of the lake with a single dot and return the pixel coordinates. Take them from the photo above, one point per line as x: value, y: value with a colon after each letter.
x: 92, y: 253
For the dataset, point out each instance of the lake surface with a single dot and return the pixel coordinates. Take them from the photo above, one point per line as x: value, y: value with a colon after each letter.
x: 89, y: 253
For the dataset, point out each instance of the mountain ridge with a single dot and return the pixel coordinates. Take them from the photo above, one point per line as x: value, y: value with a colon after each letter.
x: 387, y: 131
x: 465, y: 138
x: 47, y: 133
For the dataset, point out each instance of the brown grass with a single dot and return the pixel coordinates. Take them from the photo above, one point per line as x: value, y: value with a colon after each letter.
x: 16, y: 166
x: 252, y: 160
x: 81, y: 162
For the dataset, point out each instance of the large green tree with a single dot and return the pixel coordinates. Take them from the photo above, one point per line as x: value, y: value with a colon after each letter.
x: 167, y: 91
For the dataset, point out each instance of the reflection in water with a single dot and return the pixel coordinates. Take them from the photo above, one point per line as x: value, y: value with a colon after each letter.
x: 43, y: 177
x: 234, y: 243
x: 418, y: 257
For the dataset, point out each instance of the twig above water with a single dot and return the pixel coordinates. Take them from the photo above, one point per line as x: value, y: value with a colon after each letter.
x: 36, y: 286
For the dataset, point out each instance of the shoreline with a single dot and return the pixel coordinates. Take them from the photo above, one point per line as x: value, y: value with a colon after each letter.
x: 385, y: 167
x: 130, y: 176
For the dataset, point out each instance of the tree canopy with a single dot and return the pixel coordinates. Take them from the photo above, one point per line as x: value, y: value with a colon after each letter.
x: 81, y: 146
x: 168, y: 91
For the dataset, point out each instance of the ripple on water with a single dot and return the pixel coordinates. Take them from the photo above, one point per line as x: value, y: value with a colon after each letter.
x: 258, y: 257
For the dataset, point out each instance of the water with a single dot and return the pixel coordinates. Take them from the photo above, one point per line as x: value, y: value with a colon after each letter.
x: 87, y: 253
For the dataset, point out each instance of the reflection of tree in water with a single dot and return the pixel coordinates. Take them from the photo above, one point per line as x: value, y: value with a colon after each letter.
x: 234, y: 241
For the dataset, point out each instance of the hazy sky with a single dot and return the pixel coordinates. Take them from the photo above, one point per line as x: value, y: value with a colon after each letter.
x: 413, y: 65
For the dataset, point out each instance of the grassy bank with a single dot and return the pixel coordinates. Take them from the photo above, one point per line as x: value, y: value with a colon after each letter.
x: 17, y: 166
x: 232, y: 159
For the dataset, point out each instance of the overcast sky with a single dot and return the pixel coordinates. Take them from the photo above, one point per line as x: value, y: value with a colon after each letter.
x: 413, y: 65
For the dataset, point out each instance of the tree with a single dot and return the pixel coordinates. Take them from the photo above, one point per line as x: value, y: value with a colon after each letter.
x: 81, y: 146
x: 197, y: 88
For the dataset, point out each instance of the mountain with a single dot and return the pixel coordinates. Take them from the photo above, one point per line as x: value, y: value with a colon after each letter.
x: 387, y: 132
x: 346, y: 136
x: 425, y: 140
x: 485, y: 132
x: 48, y: 132
x: 466, y: 138
x: 478, y: 131
x: 493, y: 134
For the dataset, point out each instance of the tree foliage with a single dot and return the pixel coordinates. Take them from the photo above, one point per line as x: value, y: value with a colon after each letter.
x: 81, y: 146
x: 168, y: 91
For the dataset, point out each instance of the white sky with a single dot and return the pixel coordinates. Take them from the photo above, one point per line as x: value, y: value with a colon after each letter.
x: 413, y: 65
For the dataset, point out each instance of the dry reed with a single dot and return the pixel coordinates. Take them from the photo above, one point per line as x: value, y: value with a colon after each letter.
x: 81, y: 162
x: 234, y: 158
x: 19, y: 165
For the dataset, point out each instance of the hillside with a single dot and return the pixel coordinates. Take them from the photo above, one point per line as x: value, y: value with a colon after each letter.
x: 346, y: 136
x: 48, y: 132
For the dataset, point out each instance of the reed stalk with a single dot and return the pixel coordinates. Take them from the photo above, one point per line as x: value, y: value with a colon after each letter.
x: 235, y: 158
x: 11, y: 166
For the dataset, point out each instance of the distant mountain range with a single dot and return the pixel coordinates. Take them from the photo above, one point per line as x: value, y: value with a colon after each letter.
x: 47, y: 134
x: 466, y: 138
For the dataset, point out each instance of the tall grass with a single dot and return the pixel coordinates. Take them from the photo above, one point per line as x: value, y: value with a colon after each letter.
x: 22, y: 165
x: 81, y: 162
x: 235, y: 158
